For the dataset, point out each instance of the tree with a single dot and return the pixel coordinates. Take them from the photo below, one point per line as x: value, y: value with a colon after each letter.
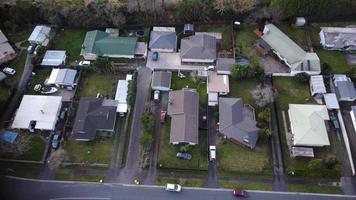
x: 239, y: 72
x: 301, y: 77
x: 148, y: 122
x: 326, y: 69
x: 146, y: 140
x: 194, y: 10
x: 102, y: 64
x: 265, y: 115
x: 238, y: 6
x: 57, y: 158
x: 263, y: 96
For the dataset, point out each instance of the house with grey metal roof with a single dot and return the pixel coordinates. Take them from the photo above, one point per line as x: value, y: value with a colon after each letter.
x: 338, y: 38
x: 94, y: 114
x: 198, y: 49
x: 353, y: 116
x: 40, y: 35
x: 183, y: 108
x: 63, y: 78
x: 344, y: 88
x: 163, y: 39
x: 161, y: 80
x: 290, y: 53
x: 54, y: 58
x: 224, y: 65
x: 237, y: 122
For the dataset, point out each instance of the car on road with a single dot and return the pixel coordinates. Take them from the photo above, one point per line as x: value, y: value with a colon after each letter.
x: 163, y: 116
x: 56, y: 139
x: 155, y: 56
x: 84, y: 63
x: 212, y: 153
x: 210, y: 67
x: 239, y: 193
x: 173, y: 187
x: 156, y: 95
x: 8, y: 70
x: 184, y: 156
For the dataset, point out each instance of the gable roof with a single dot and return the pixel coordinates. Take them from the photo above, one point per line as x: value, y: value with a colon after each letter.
x: 54, y: 58
x: 307, y: 123
x: 297, y: 58
x: 161, y: 79
x: 183, y: 107
x: 93, y: 114
x: 163, y: 40
x: 101, y: 43
x: 317, y: 85
x: 62, y: 76
x: 198, y: 47
x: 233, y: 123
x: 40, y: 35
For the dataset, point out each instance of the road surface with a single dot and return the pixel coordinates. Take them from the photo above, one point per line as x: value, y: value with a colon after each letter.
x: 23, y: 189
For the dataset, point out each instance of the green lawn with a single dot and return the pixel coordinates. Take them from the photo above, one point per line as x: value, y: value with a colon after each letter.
x: 18, y: 64
x: 181, y: 181
x: 314, y: 189
x: 242, y: 89
x: 245, y: 186
x: 78, y: 177
x: 94, y: 83
x: 100, y: 151
x: 245, y: 40
x: 35, y: 151
x: 225, y: 29
x: 4, y: 92
x: 167, y: 154
x: 39, y: 78
x: 70, y: 40
x: 19, y: 35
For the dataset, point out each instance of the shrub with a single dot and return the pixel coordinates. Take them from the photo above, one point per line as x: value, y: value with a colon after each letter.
x: 301, y: 77
x: 326, y: 69
x: 265, y: 115
x: 263, y: 96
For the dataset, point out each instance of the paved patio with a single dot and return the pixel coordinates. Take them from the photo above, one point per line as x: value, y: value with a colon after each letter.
x: 273, y: 65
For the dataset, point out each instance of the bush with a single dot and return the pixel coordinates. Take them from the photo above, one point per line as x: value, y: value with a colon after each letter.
x: 326, y: 69
x: 301, y: 77
x: 263, y: 96
x: 148, y: 122
x: 265, y: 115
x: 239, y: 72
x: 330, y: 161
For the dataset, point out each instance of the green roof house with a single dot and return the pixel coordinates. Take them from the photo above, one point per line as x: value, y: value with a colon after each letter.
x: 288, y: 51
x: 99, y: 43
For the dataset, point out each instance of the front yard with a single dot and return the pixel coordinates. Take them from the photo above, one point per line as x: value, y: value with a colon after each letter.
x: 167, y: 152
x: 93, y: 83
x: 89, y: 152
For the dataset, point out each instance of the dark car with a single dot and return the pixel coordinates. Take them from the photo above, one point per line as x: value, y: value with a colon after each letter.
x: 56, y: 139
x: 155, y: 56
x: 239, y: 193
x: 184, y: 156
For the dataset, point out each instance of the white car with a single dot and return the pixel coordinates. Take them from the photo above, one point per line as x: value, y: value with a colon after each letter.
x: 212, y: 153
x: 173, y: 187
x: 156, y: 95
x: 84, y: 63
x: 210, y: 67
x: 9, y: 71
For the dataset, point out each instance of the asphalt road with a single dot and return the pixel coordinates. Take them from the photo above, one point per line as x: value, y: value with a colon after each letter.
x: 21, y: 189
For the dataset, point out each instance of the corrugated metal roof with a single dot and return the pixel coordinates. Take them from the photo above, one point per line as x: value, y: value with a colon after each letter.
x: 54, y: 58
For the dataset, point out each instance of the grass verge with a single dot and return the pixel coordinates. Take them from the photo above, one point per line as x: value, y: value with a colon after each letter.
x: 314, y: 189
x: 245, y: 186
x: 78, y: 177
x: 181, y: 181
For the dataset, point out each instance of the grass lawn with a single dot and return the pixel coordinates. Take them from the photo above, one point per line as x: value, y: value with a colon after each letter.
x: 39, y: 78
x: 245, y: 186
x: 100, y: 151
x: 78, y: 177
x: 314, y: 189
x: 181, y: 181
x: 35, y: 151
x: 245, y: 40
x: 167, y: 154
x: 94, y: 83
x: 18, y: 64
x: 224, y: 29
x: 200, y: 85
x: 33, y: 175
x: 234, y: 158
x: 19, y: 35
x: 70, y: 40
x: 242, y: 89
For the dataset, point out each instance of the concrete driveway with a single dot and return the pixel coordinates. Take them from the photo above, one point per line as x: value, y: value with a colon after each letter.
x: 170, y: 61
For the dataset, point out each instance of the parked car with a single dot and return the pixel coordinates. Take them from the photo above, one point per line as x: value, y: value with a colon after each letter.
x: 163, y: 116
x: 56, y: 139
x: 239, y: 193
x: 184, y: 156
x: 173, y: 187
x: 156, y: 95
x: 31, y: 49
x: 49, y: 90
x: 155, y: 56
x: 212, y: 153
x: 210, y: 67
x: 9, y: 71
x: 84, y: 63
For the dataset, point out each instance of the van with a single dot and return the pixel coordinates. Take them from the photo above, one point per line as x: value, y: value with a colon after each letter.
x: 212, y: 153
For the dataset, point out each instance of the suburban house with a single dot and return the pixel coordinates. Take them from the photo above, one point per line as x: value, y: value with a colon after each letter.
x: 316, y: 84
x: 331, y: 101
x: 54, y: 58
x: 161, y: 80
x: 99, y: 43
x: 183, y: 108
x: 198, y: 49
x: 64, y: 78
x: 307, y: 123
x: 217, y: 85
x: 121, y: 96
x: 290, y: 53
x: 224, y: 65
x: 7, y: 53
x: 37, y: 112
x: 338, y: 38
x: 353, y: 116
x: 344, y: 88
x: 163, y: 39
x: 40, y: 35
x: 237, y: 122
x: 95, y: 117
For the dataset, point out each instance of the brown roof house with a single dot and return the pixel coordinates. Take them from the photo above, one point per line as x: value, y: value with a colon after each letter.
x: 183, y: 107
x: 7, y: 53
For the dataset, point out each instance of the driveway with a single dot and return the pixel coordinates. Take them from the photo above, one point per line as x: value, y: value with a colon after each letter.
x: 170, y: 61
x: 212, y: 180
x: 272, y: 65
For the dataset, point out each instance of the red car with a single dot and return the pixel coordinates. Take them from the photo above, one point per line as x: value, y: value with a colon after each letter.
x: 239, y: 193
x: 163, y: 116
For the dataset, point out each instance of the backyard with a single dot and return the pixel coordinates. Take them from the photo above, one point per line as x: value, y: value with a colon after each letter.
x: 224, y: 29
x: 242, y: 89
x: 245, y: 40
x: 167, y: 152
x: 41, y: 74
x: 94, y: 83
x: 89, y: 152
